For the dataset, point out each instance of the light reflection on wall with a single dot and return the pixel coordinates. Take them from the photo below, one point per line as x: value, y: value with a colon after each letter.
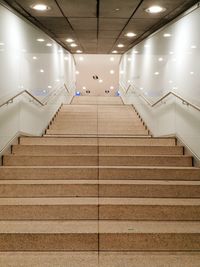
x: 26, y: 63
x: 167, y: 60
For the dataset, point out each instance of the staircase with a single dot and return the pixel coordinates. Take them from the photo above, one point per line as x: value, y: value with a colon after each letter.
x: 98, y: 190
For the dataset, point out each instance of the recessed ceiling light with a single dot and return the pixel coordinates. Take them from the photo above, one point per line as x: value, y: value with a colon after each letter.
x: 81, y: 58
x: 79, y: 51
x: 130, y: 34
x: 175, y: 87
x: 112, y: 59
x: 41, y: 70
x: 156, y: 73
x: 146, y: 45
x: 69, y: 40
x: 48, y: 44
x: 129, y: 59
x: 171, y: 52
x: 111, y: 87
x: 167, y: 35
x: 129, y: 81
x: 100, y: 81
x: 191, y: 72
x: 66, y: 58
x: 40, y: 7
x: 34, y: 58
x: 155, y: 9
x: 135, y: 52
x: 49, y: 86
x: 2, y: 44
x: 160, y: 59
x: 73, y: 45
x: 114, y: 52
x: 57, y: 80
x: 112, y: 71
x: 120, y: 45
x: 84, y: 87
x: 117, y: 9
x: 170, y: 81
x: 193, y: 46
x: 77, y: 72
x: 40, y: 40
x: 141, y: 88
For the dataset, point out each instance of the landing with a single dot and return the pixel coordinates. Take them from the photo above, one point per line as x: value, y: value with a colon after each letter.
x: 97, y: 100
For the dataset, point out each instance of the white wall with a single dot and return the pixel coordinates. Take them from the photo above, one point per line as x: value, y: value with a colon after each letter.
x: 100, y: 65
x: 176, y: 61
x: 22, y: 58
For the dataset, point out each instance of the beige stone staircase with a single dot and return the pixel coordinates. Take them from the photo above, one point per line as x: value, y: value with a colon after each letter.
x: 98, y: 190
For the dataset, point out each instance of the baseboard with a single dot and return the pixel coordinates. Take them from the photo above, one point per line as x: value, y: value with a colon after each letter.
x: 187, y: 150
x: 13, y: 141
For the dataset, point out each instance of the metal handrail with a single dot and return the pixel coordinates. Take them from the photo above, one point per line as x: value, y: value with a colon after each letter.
x: 10, y: 100
x: 162, y: 98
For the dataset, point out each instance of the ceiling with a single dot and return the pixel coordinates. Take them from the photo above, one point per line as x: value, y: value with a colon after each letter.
x: 95, y: 25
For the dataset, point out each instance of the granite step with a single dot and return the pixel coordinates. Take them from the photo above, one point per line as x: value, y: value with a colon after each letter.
x: 94, y: 149
x: 57, y: 141
x: 95, y: 160
x: 110, y: 141
x: 145, y: 160
x: 102, y: 173
x: 77, y: 208
x: 101, y: 188
x: 103, y: 236
x: 51, y: 160
x: 149, y: 188
x: 54, y: 149
x: 101, y: 259
x: 149, y: 173
x: 48, y: 173
x: 48, y: 188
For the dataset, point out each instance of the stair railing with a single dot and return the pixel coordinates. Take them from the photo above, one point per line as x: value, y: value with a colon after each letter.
x: 44, y: 103
x: 184, y: 101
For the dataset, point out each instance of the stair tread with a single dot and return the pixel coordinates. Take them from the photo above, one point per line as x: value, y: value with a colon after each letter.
x: 63, y: 227
x: 96, y: 182
x: 98, y: 145
x: 106, y: 227
x: 101, y: 259
x: 105, y: 167
x: 101, y: 156
x: 100, y: 201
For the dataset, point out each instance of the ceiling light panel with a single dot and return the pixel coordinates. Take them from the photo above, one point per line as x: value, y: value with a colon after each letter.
x: 40, y: 7
x: 155, y: 9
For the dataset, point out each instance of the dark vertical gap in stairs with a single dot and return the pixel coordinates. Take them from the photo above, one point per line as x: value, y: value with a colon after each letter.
x: 98, y: 180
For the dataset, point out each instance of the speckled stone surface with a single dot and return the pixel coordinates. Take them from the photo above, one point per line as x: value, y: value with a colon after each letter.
x: 102, y: 259
x: 98, y: 191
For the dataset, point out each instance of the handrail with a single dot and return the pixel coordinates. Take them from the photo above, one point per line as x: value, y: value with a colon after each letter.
x: 66, y: 88
x: 10, y: 100
x: 162, y: 98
